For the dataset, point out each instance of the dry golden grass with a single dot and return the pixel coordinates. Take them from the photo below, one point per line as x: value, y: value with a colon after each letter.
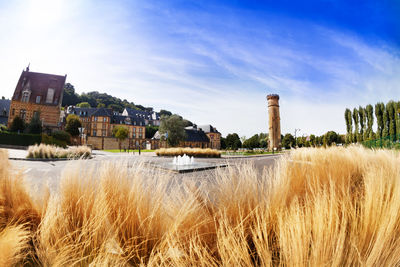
x: 318, y: 207
x: 44, y: 151
x: 195, y: 152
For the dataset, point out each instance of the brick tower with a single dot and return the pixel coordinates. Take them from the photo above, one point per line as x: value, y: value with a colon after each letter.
x: 274, y: 122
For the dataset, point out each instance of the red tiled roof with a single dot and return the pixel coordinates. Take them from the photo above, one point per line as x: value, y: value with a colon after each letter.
x: 39, y: 83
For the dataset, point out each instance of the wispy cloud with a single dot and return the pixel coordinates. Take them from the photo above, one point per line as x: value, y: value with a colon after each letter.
x: 211, y: 64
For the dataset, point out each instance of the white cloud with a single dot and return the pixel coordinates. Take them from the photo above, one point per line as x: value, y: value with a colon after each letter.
x: 206, y: 68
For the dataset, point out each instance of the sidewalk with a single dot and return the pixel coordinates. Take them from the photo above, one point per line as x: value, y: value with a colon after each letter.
x: 16, y: 153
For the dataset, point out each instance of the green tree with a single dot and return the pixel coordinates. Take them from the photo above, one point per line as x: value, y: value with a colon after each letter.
x: 35, y: 125
x: 252, y: 142
x: 73, y: 124
x: 173, y: 127
x: 17, y: 125
x: 116, y: 107
x: 379, y: 110
x: 356, y: 137
x: 312, y: 140
x: 288, y: 141
x: 331, y: 137
x: 370, y: 121
x: 233, y: 141
x: 83, y: 105
x: 151, y: 130
x: 121, y: 133
x: 187, y: 123
x: 349, y: 126
x: 69, y: 95
x: 391, y: 110
x: 101, y: 105
x: 397, y: 107
x: 164, y: 112
x: 386, y: 121
x: 223, y: 143
x: 263, y: 139
x: 363, y: 118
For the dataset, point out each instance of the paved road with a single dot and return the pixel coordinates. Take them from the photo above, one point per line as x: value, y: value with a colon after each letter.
x: 40, y: 173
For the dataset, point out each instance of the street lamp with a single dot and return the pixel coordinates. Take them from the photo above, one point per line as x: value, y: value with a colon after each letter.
x: 295, y: 139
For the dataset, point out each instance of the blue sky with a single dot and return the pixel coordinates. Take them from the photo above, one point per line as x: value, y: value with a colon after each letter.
x: 214, y: 61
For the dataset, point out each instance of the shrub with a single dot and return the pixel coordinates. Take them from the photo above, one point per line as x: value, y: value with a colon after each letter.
x: 195, y: 152
x: 17, y: 125
x: 19, y: 139
x: 62, y: 136
x: 44, y: 151
x: 50, y: 140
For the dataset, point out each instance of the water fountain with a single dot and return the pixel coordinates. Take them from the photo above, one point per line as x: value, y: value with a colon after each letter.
x: 183, y: 160
x: 185, y: 163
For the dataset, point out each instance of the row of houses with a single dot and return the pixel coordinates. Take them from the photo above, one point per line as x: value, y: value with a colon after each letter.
x: 41, y: 94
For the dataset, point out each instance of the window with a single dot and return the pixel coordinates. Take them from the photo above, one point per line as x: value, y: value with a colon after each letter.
x: 140, y: 135
x: 105, y: 119
x: 134, y: 129
x: 140, y: 129
x: 104, y: 133
x: 13, y: 111
x: 95, y: 118
x: 22, y: 114
x: 35, y: 114
x: 38, y: 99
x: 50, y: 95
x: 25, y: 95
x: 4, y: 112
x: 134, y: 135
x: 94, y: 133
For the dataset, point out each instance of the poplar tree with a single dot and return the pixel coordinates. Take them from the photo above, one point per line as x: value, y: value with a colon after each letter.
x: 379, y: 109
x: 369, y: 110
x: 361, y: 114
x: 391, y: 110
x: 349, y: 125
x: 356, y: 128
x: 386, y: 120
x: 397, y: 110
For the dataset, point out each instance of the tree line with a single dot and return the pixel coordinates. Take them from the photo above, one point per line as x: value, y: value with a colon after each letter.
x: 234, y: 142
x: 95, y: 99
x: 360, y: 122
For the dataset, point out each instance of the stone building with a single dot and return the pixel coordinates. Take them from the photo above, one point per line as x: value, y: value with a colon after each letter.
x: 212, y: 134
x: 149, y: 117
x: 100, y: 122
x: 274, y: 122
x: 38, y: 93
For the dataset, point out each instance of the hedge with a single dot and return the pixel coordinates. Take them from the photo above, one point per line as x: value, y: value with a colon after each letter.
x: 16, y: 139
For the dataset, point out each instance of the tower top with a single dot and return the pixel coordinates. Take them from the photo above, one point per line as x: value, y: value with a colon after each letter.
x: 273, y: 96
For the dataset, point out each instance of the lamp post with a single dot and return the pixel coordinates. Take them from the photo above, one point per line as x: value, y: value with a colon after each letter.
x: 81, y: 130
x: 295, y: 139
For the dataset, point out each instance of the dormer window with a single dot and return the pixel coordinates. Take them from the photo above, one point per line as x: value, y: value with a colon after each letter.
x: 26, y: 94
x: 38, y: 99
x: 50, y: 95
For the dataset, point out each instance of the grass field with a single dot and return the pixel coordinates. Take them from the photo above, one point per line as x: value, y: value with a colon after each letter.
x: 318, y: 207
